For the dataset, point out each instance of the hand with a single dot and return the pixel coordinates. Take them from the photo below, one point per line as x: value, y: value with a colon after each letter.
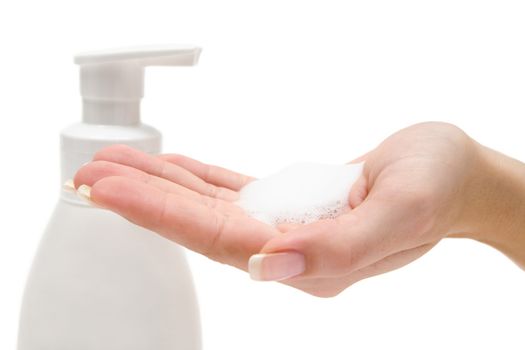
x: 416, y: 188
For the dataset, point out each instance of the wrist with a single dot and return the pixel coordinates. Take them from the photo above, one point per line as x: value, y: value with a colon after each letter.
x: 494, y: 203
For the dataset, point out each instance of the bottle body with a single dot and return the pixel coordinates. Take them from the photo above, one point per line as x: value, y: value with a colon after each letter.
x: 101, y: 282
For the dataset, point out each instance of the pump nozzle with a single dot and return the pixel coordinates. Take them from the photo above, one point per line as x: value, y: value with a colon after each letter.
x: 112, y: 81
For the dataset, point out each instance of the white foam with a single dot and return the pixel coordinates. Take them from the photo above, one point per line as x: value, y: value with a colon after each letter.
x: 300, y: 193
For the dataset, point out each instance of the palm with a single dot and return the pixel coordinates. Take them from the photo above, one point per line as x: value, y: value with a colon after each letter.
x: 406, y: 201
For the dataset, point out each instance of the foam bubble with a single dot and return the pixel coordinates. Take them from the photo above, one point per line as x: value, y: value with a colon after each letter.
x: 300, y: 193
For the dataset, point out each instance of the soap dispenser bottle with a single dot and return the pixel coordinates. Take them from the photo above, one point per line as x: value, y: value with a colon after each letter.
x: 99, y: 282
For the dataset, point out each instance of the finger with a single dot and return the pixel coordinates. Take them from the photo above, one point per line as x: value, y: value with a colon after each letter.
x: 358, y: 192
x: 283, y: 228
x: 391, y: 262
x: 329, y: 287
x: 97, y: 170
x: 153, y: 165
x: 229, y: 239
x: 210, y: 173
x: 332, y: 248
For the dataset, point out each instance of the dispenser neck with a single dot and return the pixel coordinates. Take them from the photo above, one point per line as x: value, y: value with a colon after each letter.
x: 80, y: 141
x: 111, y: 93
x: 105, y: 112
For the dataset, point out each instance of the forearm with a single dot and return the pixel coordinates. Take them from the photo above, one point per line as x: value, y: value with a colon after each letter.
x: 494, y: 208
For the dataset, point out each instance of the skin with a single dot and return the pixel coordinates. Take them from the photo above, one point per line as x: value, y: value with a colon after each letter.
x: 420, y: 185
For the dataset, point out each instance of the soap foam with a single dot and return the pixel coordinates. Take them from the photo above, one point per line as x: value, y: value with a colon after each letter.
x: 300, y: 193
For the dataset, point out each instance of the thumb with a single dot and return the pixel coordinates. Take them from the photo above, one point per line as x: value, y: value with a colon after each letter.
x: 331, y: 248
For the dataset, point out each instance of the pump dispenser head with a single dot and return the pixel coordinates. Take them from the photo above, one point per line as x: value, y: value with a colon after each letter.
x: 112, y: 85
x: 112, y: 81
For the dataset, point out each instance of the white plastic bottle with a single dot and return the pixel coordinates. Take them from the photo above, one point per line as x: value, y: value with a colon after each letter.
x: 99, y: 282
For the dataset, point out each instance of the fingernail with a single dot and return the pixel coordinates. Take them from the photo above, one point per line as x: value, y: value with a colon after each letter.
x: 276, y: 266
x: 69, y: 186
x: 84, y: 192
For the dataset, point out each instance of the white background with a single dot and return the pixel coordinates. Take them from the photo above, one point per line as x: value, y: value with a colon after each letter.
x: 281, y: 81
